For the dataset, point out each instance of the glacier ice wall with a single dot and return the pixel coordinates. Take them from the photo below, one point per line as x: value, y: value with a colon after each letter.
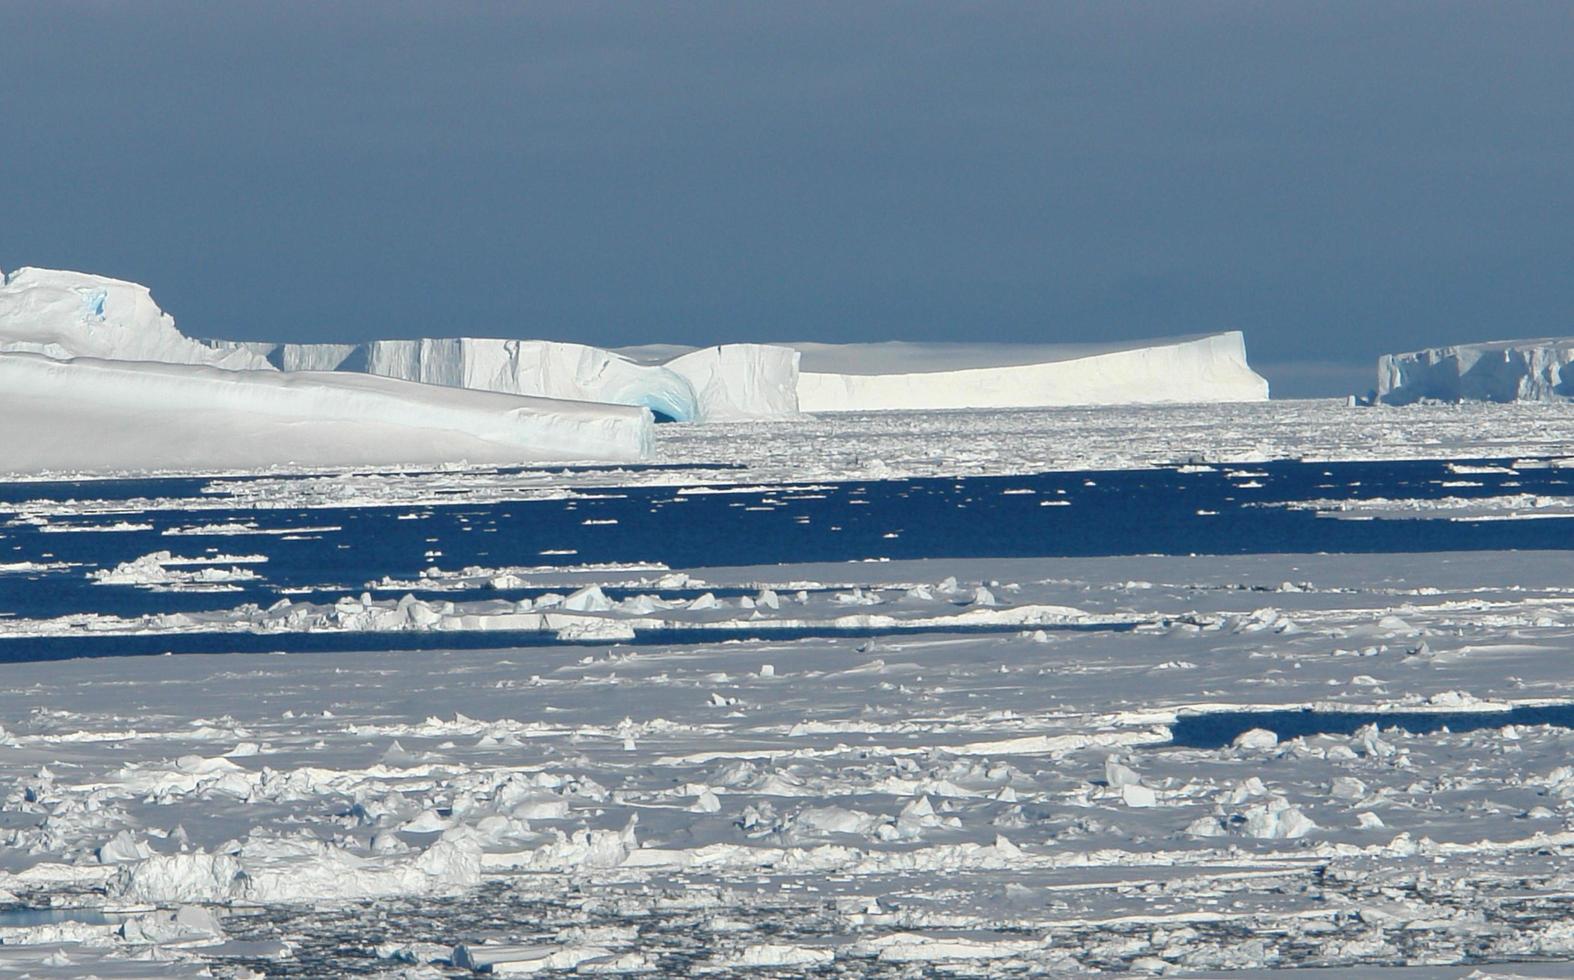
x: 73, y: 314
x: 535, y: 367
x: 866, y: 377
x: 91, y: 414
x: 735, y: 381
x: 731, y: 381
x: 683, y: 384
x: 740, y: 381
x: 541, y: 368
x: 1496, y: 371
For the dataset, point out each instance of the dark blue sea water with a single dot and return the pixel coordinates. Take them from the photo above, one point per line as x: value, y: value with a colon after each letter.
x: 40, y: 648
x: 1218, y: 729
x: 1152, y: 511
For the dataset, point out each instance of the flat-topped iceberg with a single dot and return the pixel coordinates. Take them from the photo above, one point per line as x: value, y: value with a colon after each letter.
x: 68, y: 315
x: 1495, y: 371
x: 736, y: 381
x: 90, y: 414
x: 94, y: 376
x: 864, y: 377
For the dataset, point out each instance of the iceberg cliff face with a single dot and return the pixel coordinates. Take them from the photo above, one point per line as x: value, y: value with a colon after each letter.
x: 1497, y: 371
x: 865, y: 377
x: 736, y: 381
x: 539, y: 368
x: 678, y: 383
x: 731, y: 381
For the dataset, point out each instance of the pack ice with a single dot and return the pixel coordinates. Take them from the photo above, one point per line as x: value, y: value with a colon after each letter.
x: 95, y: 376
x: 1496, y: 371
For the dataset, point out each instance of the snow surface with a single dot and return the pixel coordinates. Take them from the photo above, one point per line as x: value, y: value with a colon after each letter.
x: 862, y: 377
x: 1498, y: 371
x: 87, y: 414
x: 939, y: 801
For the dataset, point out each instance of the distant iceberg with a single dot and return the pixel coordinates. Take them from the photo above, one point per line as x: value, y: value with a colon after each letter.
x: 1495, y: 371
x: 868, y: 377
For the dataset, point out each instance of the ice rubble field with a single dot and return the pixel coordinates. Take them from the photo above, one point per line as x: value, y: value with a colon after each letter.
x: 940, y: 766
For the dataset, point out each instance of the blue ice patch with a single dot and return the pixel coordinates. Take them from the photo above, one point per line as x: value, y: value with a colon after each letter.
x: 669, y: 396
x: 93, y: 299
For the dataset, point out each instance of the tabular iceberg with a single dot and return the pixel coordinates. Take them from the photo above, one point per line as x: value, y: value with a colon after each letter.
x: 70, y: 315
x: 864, y: 377
x: 89, y: 414
x: 94, y: 376
x: 736, y: 381
x: 1496, y: 371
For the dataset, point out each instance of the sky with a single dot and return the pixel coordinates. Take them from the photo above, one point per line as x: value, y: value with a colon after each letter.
x: 1337, y: 180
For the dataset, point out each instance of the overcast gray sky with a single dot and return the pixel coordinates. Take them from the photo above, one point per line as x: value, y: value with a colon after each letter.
x: 1335, y: 179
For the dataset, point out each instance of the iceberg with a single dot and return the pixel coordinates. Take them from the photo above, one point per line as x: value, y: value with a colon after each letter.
x: 95, y: 376
x: 681, y: 384
x: 1495, y: 371
x: 73, y: 314
x: 731, y: 381
x: 871, y: 377
x: 92, y: 414
x: 743, y: 381
x: 70, y: 315
x: 544, y: 368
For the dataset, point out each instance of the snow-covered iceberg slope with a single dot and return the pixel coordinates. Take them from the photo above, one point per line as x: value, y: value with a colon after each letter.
x: 1496, y: 371
x: 73, y: 314
x: 91, y: 414
x: 864, y: 377
x: 680, y: 383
